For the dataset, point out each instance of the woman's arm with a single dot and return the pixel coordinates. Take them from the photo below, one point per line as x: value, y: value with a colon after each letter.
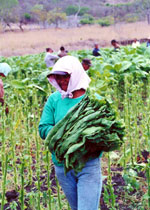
x: 47, y: 119
x: 1, y: 89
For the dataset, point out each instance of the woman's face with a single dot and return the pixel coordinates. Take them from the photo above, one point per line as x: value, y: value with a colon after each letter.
x: 63, y: 81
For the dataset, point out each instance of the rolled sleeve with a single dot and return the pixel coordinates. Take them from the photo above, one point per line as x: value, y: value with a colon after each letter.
x: 1, y: 89
x: 47, y: 119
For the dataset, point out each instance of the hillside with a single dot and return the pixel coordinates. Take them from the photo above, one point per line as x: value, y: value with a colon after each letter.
x: 96, y: 7
x: 52, y: 13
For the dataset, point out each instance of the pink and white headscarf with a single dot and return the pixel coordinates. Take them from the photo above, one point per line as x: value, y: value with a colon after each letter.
x: 78, y: 77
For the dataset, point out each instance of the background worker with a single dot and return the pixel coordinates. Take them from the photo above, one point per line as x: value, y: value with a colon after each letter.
x: 148, y: 42
x: 50, y: 58
x: 135, y: 43
x: 96, y: 50
x: 62, y: 52
x: 86, y: 63
x: 115, y: 45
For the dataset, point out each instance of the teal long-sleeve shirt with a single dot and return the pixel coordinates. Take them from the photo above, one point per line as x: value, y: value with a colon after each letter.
x: 54, y: 110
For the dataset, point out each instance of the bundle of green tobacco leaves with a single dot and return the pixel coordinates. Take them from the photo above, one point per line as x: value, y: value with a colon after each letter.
x: 89, y: 128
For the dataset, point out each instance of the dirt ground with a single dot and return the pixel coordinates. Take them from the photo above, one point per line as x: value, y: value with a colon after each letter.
x: 35, y: 41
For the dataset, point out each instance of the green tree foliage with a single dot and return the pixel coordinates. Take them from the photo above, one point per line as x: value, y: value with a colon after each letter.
x: 83, y: 10
x: 73, y: 9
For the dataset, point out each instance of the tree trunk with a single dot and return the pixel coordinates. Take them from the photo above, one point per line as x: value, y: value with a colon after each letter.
x: 148, y: 18
x: 20, y: 26
x: 9, y: 26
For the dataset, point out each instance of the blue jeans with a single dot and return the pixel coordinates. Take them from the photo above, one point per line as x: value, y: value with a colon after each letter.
x: 84, y: 189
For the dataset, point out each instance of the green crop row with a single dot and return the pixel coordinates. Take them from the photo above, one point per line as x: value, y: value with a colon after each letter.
x: 25, y: 164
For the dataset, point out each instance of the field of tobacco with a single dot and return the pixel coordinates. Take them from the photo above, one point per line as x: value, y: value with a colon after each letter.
x: 27, y: 177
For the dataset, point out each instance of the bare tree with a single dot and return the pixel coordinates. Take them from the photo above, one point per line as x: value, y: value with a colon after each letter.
x: 40, y: 14
x: 56, y: 16
x: 6, y: 11
x: 144, y: 8
x: 78, y: 3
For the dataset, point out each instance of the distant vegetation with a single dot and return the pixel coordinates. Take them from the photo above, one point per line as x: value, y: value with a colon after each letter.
x: 56, y: 12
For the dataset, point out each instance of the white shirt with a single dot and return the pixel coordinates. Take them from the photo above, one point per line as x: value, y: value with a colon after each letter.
x: 135, y: 44
x: 50, y: 59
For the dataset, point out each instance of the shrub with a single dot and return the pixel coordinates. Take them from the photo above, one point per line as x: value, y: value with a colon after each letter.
x: 107, y: 21
x: 87, y: 19
x: 131, y: 18
x: 27, y: 16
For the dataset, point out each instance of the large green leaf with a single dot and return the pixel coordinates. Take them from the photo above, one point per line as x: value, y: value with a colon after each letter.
x: 18, y: 84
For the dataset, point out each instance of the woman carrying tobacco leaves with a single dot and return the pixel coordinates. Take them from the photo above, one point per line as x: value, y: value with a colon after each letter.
x: 83, y: 188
